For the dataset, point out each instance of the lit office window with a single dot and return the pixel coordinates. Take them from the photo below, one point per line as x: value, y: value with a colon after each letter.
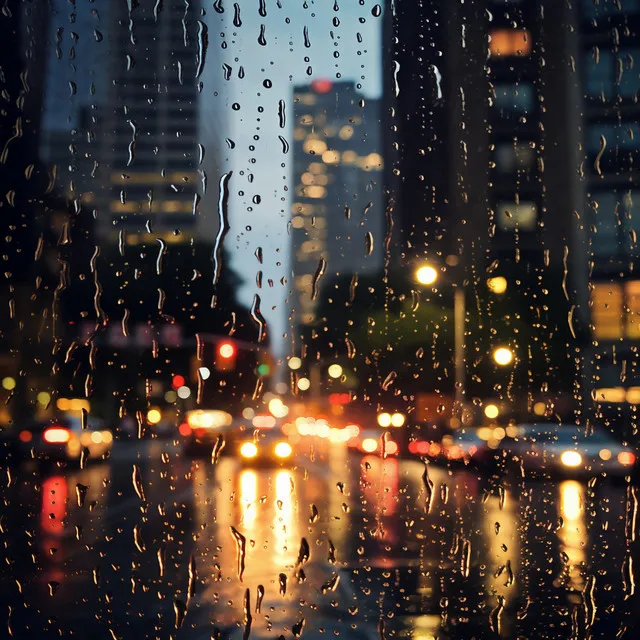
x: 606, y: 311
x: 510, y: 42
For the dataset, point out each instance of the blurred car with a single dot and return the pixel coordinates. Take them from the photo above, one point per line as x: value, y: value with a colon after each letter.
x: 567, y: 450
x: 63, y: 438
x: 371, y: 441
x: 202, y: 429
x: 266, y: 446
x: 463, y: 446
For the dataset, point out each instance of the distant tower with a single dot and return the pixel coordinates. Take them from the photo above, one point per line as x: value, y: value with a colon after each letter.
x: 150, y: 153
x: 337, y: 211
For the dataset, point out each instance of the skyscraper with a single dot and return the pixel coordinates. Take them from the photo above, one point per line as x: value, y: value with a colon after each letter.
x: 608, y: 59
x: 150, y: 154
x: 337, y: 212
x: 482, y: 141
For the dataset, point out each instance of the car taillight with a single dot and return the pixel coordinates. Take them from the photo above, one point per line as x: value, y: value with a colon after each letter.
x: 56, y: 435
x: 25, y: 436
x: 391, y: 448
x: 184, y: 429
x: 626, y: 458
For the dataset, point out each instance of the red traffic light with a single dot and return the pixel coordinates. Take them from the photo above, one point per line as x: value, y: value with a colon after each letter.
x: 226, y: 350
x: 177, y: 382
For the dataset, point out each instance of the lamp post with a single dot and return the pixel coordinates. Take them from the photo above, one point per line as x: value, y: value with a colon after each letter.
x: 427, y: 275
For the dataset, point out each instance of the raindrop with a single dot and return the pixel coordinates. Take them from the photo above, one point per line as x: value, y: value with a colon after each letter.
x: 180, y: 610
x: 304, y: 553
x: 285, y: 144
x: 494, y: 616
x: 237, y: 22
x: 262, y: 8
x: 258, y: 254
x: 282, y: 114
x: 331, y: 584
x: 81, y: 493
x: 332, y: 553
x: 203, y: 43
x: 136, y: 478
x: 223, y: 219
x: 305, y: 33
x: 320, y: 271
x: 596, y: 162
x: 217, y: 447
x: 258, y: 318
x: 368, y: 243
x: 259, y: 598
x: 137, y: 538
x: 314, y: 514
x: 296, y: 629
x: 261, y: 38
x: 241, y: 550
x: 282, y: 581
x: 376, y: 12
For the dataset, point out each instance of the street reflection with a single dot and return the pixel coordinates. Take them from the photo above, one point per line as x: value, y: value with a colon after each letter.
x: 248, y: 499
x: 572, y: 534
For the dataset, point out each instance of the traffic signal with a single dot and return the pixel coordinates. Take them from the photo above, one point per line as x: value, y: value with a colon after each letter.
x: 225, y: 356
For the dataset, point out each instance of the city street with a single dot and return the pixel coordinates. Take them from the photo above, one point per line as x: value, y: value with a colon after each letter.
x: 337, y: 546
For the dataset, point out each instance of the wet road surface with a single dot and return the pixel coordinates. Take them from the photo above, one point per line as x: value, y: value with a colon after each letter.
x: 155, y: 545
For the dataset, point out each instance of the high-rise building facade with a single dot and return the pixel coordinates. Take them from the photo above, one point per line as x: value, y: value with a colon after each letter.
x: 609, y: 59
x: 337, y: 212
x: 150, y: 154
x: 483, y: 137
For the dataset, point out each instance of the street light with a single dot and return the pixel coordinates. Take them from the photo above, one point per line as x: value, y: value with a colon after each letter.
x: 498, y: 284
x: 503, y: 356
x: 335, y: 371
x: 426, y: 274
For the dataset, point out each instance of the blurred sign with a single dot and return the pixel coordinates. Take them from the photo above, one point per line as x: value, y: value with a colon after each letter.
x: 433, y: 407
x: 140, y: 336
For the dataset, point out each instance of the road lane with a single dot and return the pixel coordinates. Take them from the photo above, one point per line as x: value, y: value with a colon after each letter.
x: 337, y: 544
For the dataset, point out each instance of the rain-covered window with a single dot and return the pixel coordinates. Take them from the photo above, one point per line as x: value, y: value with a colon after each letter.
x: 320, y: 319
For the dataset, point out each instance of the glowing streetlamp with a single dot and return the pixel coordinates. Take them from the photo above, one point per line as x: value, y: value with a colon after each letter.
x: 426, y: 275
x: 503, y: 356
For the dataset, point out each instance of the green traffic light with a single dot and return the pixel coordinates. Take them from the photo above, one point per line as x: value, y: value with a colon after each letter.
x: 263, y: 369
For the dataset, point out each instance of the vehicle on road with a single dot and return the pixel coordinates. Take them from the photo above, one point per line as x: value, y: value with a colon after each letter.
x: 567, y: 450
x: 463, y: 446
x: 263, y: 447
x: 375, y: 441
x: 203, y: 429
x: 63, y: 438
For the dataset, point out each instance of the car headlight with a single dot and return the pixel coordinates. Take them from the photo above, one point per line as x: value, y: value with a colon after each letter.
x: 249, y: 450
x: 283, y: 450
x: 571, y: 459
x: 369, y: 445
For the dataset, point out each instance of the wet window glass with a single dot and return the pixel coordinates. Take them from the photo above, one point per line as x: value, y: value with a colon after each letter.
x: 320, y: 319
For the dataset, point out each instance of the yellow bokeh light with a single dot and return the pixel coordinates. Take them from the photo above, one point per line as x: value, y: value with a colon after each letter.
x: 43, y: 398
x: 295, y: 363
x: 426, y: 275
x: 503, y: 356
x: 497, y: 284
x: 335, y: 371
x: 154, y: 416
x: 491, y: 411
x: 304, y: 384
x: 8, y: 383
x: 384, y: 419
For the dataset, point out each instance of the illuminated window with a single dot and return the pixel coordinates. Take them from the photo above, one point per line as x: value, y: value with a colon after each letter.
x: 606, y: 311
x: 510, y: 42
x: 632, y: 291
x: 514, y: 99
x: 511, y: 157
x: 511, y: 215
